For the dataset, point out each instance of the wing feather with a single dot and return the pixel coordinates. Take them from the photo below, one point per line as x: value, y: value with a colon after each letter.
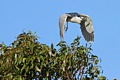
x: 62, y: 22
x: 87, y: 30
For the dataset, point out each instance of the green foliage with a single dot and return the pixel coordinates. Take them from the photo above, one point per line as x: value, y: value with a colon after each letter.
x: 28, y: 59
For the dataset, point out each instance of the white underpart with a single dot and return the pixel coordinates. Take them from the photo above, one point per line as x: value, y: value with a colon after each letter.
x: 90, y: 42
x: 89, y: 26
x: 76, y: 20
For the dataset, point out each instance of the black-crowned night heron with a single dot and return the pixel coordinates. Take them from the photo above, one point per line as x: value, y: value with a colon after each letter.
x: 82, y: 19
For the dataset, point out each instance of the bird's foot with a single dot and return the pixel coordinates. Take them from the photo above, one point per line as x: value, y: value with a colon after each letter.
x: 66, y: 28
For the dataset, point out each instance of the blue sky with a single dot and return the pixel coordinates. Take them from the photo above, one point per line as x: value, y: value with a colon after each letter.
x: 42, y: 16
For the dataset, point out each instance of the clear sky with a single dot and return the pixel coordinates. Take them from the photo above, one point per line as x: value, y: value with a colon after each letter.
x: 42, y: 16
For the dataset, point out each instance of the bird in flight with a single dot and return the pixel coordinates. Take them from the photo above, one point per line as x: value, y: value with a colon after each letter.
x: 82, y: 19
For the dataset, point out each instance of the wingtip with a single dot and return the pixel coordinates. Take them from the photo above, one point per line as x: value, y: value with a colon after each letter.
x: 90, y: 42
x: 62, y: 38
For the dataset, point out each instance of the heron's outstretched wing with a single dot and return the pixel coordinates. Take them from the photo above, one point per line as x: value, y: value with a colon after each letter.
x: 62, y: 22
x: 87, y: 30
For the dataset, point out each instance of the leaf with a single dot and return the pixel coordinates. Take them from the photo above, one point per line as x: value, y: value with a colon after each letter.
x: 24, y: 67
x: 96, y: 61
x: 19, y: 78
x: 102, y: 78
x: 26, y: 56
x: 24, y: 59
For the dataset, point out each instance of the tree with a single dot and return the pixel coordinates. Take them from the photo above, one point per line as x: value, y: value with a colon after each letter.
x: 26, y: 59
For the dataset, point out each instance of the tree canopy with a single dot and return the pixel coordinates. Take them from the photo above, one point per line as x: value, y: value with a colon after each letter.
x: 28, y: 59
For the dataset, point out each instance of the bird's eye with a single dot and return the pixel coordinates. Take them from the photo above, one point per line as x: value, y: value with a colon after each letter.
x: 85, y: 18
x: 82, y: 17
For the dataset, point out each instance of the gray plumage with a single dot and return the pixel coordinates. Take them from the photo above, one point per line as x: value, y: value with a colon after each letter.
x: 83, y: 20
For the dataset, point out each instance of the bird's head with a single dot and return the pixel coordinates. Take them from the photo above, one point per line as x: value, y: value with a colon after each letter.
x: 86, y: 19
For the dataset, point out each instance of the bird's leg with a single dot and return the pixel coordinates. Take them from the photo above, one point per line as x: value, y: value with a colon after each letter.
x: 88, y: 45
x: 66, y: 28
